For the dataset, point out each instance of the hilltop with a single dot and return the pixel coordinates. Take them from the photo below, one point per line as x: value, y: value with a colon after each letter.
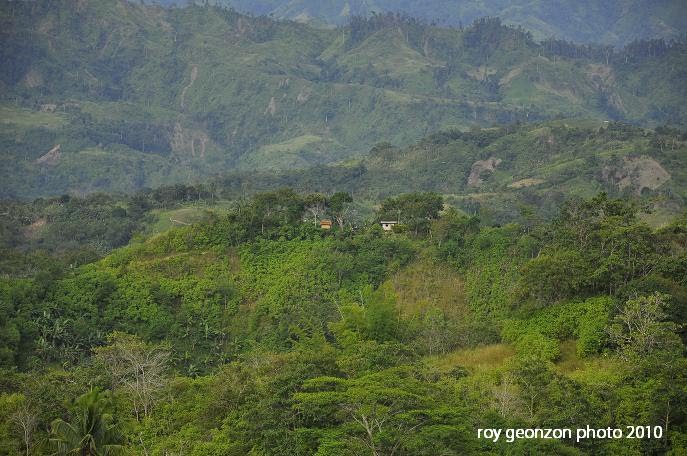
x: 518, y: 173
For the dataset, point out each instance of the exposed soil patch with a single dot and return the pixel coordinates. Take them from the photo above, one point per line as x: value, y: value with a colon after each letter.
x: 480, y: 73
x: 512, y: 74
x: 636, y: 173
x: 271, y: 107
x: 32, y: 231
x: 32, y: 79
x: 189, y: 140
x: 51, y: 158
x: 480, y: 167
x: 303, y: 96
x: 194, y: 76
x: 600, y: 74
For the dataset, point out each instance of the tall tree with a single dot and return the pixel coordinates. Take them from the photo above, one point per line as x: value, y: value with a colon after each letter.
x: 136, y: 367
x: 340, y: 204
x: 92, y: 430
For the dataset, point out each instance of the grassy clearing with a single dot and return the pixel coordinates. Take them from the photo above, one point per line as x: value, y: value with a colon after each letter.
x: 569, y: 361
x: 167, y: 219
x: 424, y: 285
x: 659, y: 218
x: 478, y: 359
x: 526, y: 183
x: 25, y: 118
x: 300, y: 151
x: 292, y: 145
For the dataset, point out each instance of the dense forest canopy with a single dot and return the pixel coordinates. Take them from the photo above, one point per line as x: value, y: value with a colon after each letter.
x: 257, y: 331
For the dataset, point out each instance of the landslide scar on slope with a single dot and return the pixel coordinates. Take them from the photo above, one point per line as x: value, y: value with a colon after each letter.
x: 194, y: 76
x: 480, y: 167
x: 636, y: 173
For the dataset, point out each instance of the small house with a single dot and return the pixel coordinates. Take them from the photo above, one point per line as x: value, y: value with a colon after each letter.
x: 388, y: 225
x: 326, y: 224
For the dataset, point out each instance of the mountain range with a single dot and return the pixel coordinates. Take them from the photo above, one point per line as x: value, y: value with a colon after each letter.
x: 114, y: 96
x: 616, y: 22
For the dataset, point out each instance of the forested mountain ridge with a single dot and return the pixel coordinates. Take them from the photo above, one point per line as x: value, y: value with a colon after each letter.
x: 117, y: 96
x: 616, y: 22
x: 502, y: 170
x: 518, y: 173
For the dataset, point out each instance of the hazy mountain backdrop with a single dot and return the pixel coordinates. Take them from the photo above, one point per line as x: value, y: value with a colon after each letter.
x: 614, y: 22
x: 111, y: 95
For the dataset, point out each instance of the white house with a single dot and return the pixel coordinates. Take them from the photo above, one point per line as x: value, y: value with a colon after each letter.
x: 388, y: 225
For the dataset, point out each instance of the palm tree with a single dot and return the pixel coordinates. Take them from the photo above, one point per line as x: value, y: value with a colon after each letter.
x: 92, y: 431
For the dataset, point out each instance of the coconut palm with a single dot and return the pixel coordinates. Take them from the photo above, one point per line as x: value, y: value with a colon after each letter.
x: 92, y: 431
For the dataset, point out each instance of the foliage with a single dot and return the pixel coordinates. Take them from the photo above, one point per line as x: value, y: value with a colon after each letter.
x: 157, y: 98
x: 93, y: 430
x: 256, y: 332
x: 593, y: 22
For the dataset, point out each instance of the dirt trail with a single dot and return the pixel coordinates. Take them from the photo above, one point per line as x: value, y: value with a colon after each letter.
x: 179, y: 222
x: 194, y: 76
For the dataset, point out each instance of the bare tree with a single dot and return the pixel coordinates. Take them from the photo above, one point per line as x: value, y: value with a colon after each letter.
x: 376, y: 419
x: 316, y: 204
x: 25, y: 419
x: 506, y: 398
x: 136, y: 367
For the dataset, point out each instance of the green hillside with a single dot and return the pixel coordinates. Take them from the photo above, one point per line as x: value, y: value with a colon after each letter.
x: 615, y: 22
x: 140, y: 96
x: 256, y: 332
x: 517, y: 173
x: 499, y: 172
x: 227, y: 235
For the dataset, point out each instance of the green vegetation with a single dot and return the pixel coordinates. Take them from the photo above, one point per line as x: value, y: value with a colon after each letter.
x: 255, y: 331
x: 614, y: 22
x: 516, y: 172
x: 141, y: 96
x: 536, y: 276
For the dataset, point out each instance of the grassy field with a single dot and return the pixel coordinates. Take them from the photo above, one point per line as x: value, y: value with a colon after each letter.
x: 167, y: 219
x: 22, y: 118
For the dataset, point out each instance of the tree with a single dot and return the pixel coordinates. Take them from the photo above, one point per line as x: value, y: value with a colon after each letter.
x: 553, y: 276
x: 26, y: 420
x: 381, y: 410
x: 416, y: 210
x: 640, y: 328
x: 532, y: 375
x: 436, y: 332
x: 136, y: 367
x: 279, y: 207
x: 18, y: 422
x: 92, y: 432
x: 340, y: 205
x: 316, y: 204
x: 506, y: 398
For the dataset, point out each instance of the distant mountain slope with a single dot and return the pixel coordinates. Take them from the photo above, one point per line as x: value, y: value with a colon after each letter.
x: 615, y: 22
x: 498, y: 171
x: 141, y: 96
